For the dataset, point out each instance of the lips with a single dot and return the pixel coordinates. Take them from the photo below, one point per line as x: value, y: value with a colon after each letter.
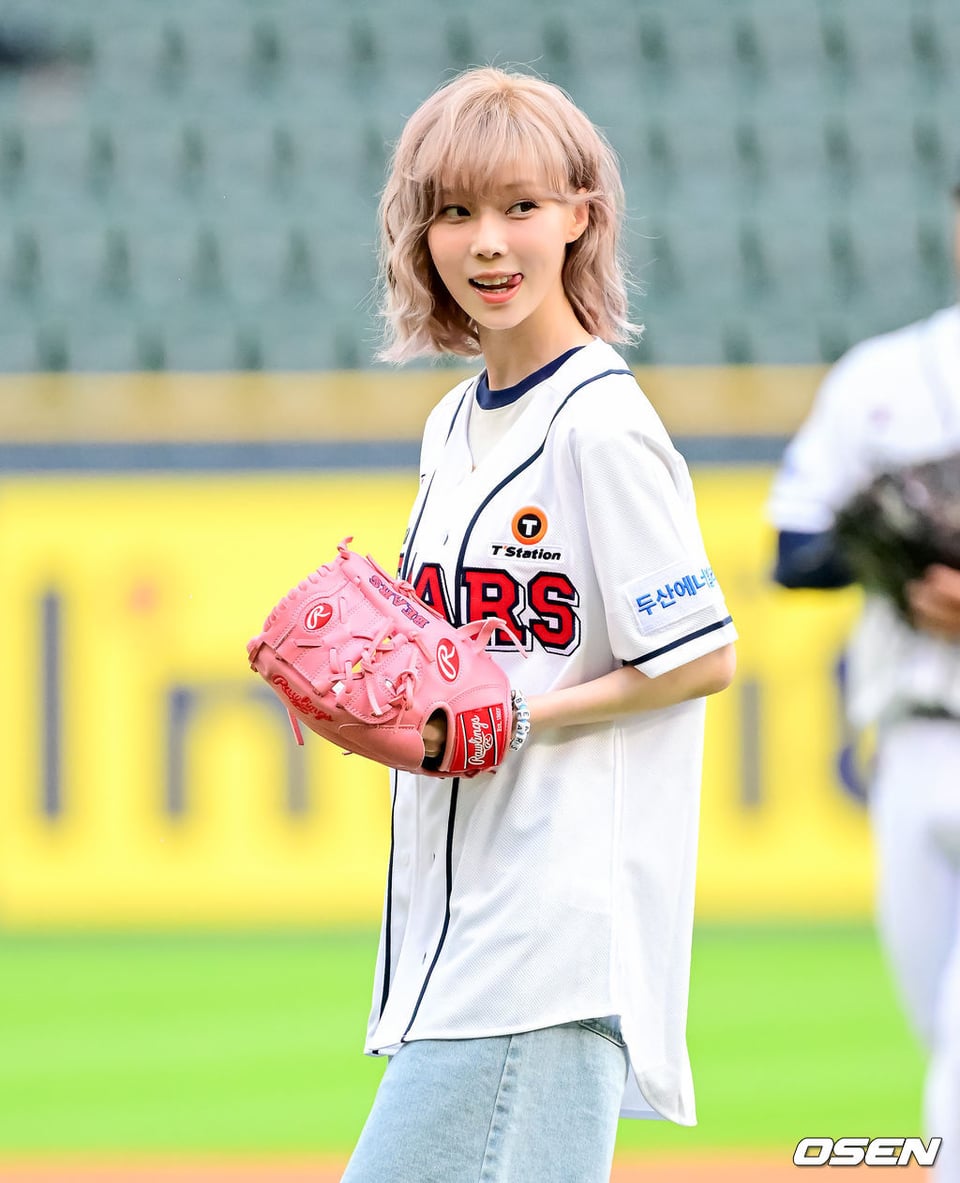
x: 494, y: 289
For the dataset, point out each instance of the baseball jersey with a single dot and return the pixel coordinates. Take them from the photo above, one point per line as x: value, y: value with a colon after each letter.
x: 892, y: 400
x: 560, y: 886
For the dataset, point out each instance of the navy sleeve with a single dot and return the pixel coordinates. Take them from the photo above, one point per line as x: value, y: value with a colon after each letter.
x: 810, y: 560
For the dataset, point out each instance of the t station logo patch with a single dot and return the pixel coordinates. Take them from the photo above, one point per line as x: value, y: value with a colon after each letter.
x: 529, y: 526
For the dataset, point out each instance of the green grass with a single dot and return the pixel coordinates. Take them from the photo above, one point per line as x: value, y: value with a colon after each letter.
x: 252, y: 1043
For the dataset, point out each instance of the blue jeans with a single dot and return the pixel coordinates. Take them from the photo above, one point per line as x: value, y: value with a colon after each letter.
x: 538, y: 1107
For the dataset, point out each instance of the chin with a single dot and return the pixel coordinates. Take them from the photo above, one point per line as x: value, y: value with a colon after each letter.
x: 500, y: 318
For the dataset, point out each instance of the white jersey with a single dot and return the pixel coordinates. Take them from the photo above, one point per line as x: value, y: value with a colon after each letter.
x: 891, y: 400
x: 561, y: 886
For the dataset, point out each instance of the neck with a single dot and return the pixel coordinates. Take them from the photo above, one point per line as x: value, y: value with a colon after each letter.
x: 512, y: 356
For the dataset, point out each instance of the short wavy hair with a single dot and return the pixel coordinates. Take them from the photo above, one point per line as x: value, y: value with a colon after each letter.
x: 464, y: 136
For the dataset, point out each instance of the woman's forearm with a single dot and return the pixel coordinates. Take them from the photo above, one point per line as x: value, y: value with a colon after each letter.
x: 627, y: 691
x: 622, y: 692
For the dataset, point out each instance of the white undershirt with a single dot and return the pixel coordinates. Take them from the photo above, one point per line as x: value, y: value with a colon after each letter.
x: 487, y: 427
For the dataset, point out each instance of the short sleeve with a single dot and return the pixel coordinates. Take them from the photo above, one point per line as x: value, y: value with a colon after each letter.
x: 827, y: 461
x: 663, y: 603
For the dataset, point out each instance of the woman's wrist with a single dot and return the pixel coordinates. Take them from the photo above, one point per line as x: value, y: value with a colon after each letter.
x: 521, y: 720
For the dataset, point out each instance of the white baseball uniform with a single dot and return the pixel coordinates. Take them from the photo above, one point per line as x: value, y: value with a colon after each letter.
x: 560, y: 887
x: 891, y: 400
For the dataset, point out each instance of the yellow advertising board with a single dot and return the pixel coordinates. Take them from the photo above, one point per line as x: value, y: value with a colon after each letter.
x: 149, y: 778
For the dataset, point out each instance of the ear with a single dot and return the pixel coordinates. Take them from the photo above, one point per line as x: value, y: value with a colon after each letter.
x: 579, y: 219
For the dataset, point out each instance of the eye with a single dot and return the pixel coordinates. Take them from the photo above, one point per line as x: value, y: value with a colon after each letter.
x: 453, y: 212
x: 522, y: 207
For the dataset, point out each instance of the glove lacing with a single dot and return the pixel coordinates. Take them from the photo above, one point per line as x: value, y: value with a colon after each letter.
x: 403, y: 684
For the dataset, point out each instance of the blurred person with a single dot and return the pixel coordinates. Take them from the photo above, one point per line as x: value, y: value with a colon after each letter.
x: 892, y: 400
x: 534, y: 961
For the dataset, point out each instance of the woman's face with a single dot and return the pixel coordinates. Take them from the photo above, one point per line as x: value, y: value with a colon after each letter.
x: 501, y: 256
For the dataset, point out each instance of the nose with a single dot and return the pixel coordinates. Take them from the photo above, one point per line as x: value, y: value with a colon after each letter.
x: 488, y: 237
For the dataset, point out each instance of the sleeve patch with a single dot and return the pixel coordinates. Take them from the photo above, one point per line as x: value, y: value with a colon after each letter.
x: 660, y: 600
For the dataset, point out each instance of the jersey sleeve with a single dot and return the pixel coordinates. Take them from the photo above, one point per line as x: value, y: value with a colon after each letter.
x: 828, y: 459
x: 663, y: 603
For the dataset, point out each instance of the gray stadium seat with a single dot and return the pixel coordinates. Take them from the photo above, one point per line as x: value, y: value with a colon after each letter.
x: 196, y: 186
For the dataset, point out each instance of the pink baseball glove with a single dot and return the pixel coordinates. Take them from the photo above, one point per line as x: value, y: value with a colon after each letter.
x: 362, y: 661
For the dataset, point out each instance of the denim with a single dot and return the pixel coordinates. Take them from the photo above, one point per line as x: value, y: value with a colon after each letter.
x: 537, y: 1107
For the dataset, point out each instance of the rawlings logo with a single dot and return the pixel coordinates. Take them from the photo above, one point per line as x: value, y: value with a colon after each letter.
x: 389, y: 592
x: 300, y: 701
x: 480, y: 741
x: 448, y: 660
x: 317, y: 617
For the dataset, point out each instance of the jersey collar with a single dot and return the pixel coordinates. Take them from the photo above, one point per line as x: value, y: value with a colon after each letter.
x: 491, y: 400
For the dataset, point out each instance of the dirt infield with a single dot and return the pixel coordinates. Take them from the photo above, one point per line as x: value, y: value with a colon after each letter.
x: 705, y: 1169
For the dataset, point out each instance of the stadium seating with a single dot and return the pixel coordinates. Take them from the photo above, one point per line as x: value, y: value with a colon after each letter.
x: 193, y: 183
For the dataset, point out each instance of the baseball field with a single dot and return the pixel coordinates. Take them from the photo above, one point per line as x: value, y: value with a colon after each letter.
x: 220, y: 1056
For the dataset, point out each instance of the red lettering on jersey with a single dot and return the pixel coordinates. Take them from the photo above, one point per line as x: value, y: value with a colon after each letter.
x: 494, y: 593
x: 429, y: 586
x: 552, y: 601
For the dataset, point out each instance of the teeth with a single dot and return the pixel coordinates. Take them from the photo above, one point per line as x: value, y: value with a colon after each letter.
x: 493, y: 283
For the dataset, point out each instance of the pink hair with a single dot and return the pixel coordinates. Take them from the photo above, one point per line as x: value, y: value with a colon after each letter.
x: 467, y: 133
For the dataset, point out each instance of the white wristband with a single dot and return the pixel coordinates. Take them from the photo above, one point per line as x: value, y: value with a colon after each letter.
x: 521, y: 716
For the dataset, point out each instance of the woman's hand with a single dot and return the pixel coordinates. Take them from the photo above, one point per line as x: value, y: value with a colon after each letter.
x: 434, y: 738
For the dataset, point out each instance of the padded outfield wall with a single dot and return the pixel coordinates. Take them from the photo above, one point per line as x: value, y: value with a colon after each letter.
x: 147, y: 523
